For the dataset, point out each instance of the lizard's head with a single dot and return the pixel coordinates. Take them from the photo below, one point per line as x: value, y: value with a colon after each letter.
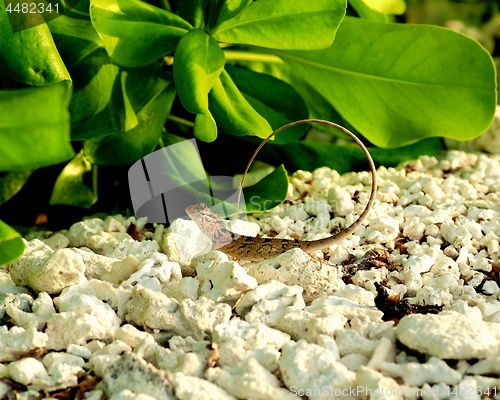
x: 210, y: 224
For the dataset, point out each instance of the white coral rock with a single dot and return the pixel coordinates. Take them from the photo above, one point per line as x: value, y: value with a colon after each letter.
x: 372, y: 384
x: 239, y: 340
x: 62, y: 268
x: 224, y: 282
x: 449, y: 335
x: 306, y: 368
x: 193, y: 388
x: 80, y: 232
x: 28, y: 371
x: 16, y: 341
x: 184, y: 241
x: 249, y: 380
x: 268, y: 302
x: 415, y: 374
x: 42, y: 308
x: 307, y: 325
x: 296, y: 267
x: 71, y: 327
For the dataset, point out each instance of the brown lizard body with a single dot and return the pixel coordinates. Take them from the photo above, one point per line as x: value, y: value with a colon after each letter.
x: 258, y: 248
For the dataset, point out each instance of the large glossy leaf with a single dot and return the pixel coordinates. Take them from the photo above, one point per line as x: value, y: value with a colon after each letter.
x: 198, y: 62
x: 284, y: 24
x: 34, y: 128
x: 231, y: 8
x: 387, y: 6
x: 277, y: 101
x: 232, y: 111
x: 29, y: 55
x: 96, y: 106
x: 11, y: 244
x: 398, y: 84
x: 75, y: 185
x: 102, y: 103
x: 136, y: 33
x: 364, y: 11
x: 128, y: 147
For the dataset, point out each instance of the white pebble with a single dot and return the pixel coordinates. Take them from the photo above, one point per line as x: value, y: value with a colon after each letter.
x: 449, y: 335
x: 268, y: 302
x: 61, y: 269
x: 307, y: 367
x: 249, y: 380
x: 298, y: 268
x: 16, y: 341
x: 28, y: 371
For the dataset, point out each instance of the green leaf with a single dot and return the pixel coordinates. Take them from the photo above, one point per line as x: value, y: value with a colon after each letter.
x: 233, y: 113
x: 75, y: 185
x: 387, y: 6
x: 11, y: 183
x: 11, y: 244
x: 200, y: 13
x: 131, y: 120
x: 198, y: 63
x: 231, y: 8
x: 268, y: 193
x: 106, y: 96
x: 284, y: 24
x: 29, y: 56
x: 397, y: 84
x: 78, y: 10
x: 128, y: 147
x: 193, y: 11
x: 134, y: 32
x: 205, y: 127
x: 277, y: 101
x: 96, y: 107
x: 366, y: 12
x: 34, y: 129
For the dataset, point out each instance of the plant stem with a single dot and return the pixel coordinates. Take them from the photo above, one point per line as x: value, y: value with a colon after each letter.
x: 180, y: 120
x: 166, y: 5
x: 247, y: 56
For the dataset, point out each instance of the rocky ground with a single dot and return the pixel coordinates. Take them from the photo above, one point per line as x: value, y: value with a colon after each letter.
x: 408, y: 307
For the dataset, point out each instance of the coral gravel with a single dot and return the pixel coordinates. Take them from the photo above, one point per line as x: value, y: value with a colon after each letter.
x: 407, y: 307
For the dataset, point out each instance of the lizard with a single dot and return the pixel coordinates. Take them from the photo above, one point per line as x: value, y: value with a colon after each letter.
x: 258, y: 248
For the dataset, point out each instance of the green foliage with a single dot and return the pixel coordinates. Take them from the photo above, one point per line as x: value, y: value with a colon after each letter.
x: 75, y: 185
x: 39, y: 137
x: 284, y: 24
x: 106, y: 76
x: 384, y: 86
x: 198, y: 63
x: 11, y: 244
x: 136, y: 33
x: 29, y: 56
